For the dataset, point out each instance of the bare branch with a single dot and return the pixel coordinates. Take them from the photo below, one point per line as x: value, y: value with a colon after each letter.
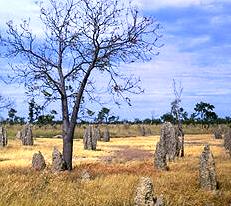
x: 80, y: 36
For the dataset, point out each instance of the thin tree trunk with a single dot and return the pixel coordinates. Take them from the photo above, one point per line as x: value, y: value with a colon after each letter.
x: 180, y: 128
x: 68, y: 150
x: 182, y: 145
x: 67, y: 136
x: 68, y: 146
x: 69, y: 124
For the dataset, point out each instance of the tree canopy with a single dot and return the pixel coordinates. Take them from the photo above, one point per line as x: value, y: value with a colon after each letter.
x: 80, y: 38
x: 204, y: 113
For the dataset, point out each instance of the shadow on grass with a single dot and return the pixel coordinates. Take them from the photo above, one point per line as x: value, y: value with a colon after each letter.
x: 4, y: 159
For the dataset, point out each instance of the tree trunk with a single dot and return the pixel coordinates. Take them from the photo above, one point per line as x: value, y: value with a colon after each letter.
x: 68, y: 146
x: 182, y: 146
x: 67, y: 136
x: 180, y: 127
x: 69, y: 124
x: 68, y: 150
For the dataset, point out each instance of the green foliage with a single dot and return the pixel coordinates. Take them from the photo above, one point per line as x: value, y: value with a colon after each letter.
x: 168, y: 117
x: 178, y: 112
x: 137, y: 121
x: 204, y: 113
x: 104, y: 116
x: 13, y: 118
x: 35, y: 115
x: 34, y: 111
x: 45, y: 119
x: 12, y: 113
x: 90, y: 113
x: 113, y: 118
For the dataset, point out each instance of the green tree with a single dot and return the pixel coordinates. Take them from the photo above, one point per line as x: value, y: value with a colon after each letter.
x: 13, y: 118
x: 103, y: 115
x: 167, y: 117
x: 113, y: 119
x: 90, y: 113
x: 204, y: 113
x: 12, y: 115
x: 137, y: 121
x: 47, y: 118
x: 90, y: 116
x: 34, y: 111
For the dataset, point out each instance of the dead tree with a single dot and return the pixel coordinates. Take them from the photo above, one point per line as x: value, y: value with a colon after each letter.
x: 5, y: 103
x: 80, y: 38
x: 177, y: 112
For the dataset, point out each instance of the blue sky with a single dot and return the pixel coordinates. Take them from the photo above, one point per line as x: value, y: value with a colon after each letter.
x: 196, y: 52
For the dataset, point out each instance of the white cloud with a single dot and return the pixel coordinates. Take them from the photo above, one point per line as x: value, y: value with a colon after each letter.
x: 221, y: 20
x: 19, y: 10
x: 157, y: 4
x: 201, y: 83
x: 194, y: 42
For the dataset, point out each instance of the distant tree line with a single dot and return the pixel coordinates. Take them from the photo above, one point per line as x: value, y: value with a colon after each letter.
x: 203, y: 114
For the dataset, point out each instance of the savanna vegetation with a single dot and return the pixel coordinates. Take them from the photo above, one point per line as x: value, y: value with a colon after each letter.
x: 115, y: 168
x: 83, y: 40
x: 116, y: 130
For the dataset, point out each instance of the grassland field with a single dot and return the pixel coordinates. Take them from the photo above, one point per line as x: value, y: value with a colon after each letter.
x: 115, y: 168
x: 116, y: 130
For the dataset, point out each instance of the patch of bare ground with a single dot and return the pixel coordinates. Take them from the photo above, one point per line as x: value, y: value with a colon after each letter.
x: 125, y: 153
x: 98, y: 169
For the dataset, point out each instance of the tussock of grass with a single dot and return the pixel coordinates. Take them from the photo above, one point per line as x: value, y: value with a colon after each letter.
x: 113, y: 182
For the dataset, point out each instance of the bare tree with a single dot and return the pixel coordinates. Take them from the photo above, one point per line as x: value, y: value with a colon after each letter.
x: 5, y: 103
x: 177, y: 112
x: 80, y: 38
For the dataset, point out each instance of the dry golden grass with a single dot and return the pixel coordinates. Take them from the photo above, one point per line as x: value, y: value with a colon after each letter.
x: 115, y: 169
